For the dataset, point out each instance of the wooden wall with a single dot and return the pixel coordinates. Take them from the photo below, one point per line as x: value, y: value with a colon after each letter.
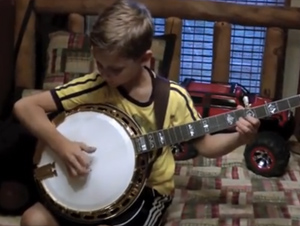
x: 276, y: 19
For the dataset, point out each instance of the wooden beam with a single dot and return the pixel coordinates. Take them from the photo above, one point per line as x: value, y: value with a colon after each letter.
x: 76, y: 23
x: 251, y: 15
x: 174, y: 26
x: 221, y: 52
x: 273, y: 55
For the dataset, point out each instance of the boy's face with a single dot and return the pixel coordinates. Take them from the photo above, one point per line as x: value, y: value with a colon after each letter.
x: 116, y: 70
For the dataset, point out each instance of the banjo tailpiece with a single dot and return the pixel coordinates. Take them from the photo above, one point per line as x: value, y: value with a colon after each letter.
x: 45, y: 171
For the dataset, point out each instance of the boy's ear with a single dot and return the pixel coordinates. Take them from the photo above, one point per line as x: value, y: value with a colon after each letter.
x: 146, y: 56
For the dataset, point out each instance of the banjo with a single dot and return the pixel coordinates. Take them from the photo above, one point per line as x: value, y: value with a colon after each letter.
x: 123, y: 153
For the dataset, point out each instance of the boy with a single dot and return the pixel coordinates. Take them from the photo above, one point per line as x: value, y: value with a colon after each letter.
x: 121, y: 41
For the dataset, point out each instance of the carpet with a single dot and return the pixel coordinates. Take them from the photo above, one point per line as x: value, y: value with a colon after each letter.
x: 222, y: 192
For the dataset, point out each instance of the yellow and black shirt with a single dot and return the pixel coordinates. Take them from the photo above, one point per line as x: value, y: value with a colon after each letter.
x: 91, y: 89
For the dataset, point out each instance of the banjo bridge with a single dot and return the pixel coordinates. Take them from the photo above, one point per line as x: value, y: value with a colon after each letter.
x: 45, y: 171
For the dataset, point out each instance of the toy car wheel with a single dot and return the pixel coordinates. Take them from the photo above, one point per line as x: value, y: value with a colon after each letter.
x: 268, y: 155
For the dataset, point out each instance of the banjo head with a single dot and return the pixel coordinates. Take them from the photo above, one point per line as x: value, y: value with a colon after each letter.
x: 117, y: 173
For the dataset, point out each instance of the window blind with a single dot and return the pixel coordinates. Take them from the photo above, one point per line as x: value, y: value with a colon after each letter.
x: 247, y: 47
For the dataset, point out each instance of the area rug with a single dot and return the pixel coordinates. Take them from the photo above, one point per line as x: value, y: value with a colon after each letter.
x: 222, y: 192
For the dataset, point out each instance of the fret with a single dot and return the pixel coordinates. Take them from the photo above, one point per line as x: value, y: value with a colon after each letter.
x: 228, y: 119
x: 172, y: 135
x: 187, y: 131
x: 260, y: 111
x: 219, y: 120
x: 157, y: 139
x: 198, y: 128
x: 205, y: 125
x: 283, y: 105
x: 147, y: 141
x: 213, y: 124
x: 250, y: 112
x: 141, y: 144
x: 165, y: 134
x: 294, y: 101
x: 179, y: 135
x: 191, y: 131
x: 271, y: 108
x: 137, y: 145
x: 150, y: 140
x: 239, y: 113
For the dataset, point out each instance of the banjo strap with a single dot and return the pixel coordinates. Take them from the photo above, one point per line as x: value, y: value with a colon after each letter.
x: 161, y: 98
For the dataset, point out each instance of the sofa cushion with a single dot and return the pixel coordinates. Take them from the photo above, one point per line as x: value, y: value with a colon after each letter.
x: 69, y: 57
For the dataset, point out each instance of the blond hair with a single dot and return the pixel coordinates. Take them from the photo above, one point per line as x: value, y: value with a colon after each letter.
x: 125, y: 27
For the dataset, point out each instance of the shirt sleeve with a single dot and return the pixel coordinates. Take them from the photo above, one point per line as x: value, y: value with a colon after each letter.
x: 185, y: 111
x: 79, y: 91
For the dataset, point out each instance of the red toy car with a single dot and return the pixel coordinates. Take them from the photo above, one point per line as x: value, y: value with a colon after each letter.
x: 269, y: 154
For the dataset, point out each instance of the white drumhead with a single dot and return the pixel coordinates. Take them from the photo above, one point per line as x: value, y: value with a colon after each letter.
x: 112, y: 164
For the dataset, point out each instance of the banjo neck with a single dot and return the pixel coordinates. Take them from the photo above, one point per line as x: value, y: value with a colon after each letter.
x: 178, y: 134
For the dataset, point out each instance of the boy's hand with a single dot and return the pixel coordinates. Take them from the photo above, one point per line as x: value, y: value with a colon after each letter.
x: 247, y: 128
x: 75, y: 157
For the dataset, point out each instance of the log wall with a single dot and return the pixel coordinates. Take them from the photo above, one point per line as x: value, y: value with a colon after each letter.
x: 276, y: 19
x: 174, y: 26
x: 273, y: 56
x: 252, y: 15
x: 221, y: 52
x: 222, y: 13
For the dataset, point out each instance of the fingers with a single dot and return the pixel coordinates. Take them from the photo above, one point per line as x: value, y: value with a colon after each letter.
x: 72, y: 172
x: 86, y: 148
x: 244, y: 127
x: 247, y: 125
x: 255, y: 122
x: 84, y: 160
x: 80, y: 169
x: 78, y: 162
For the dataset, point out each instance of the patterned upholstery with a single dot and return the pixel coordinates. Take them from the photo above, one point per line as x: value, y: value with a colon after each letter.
x: 69, y: 56
x: 222, y: 192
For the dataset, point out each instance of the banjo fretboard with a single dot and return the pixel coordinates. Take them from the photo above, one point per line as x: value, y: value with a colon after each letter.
x: 178, y: 134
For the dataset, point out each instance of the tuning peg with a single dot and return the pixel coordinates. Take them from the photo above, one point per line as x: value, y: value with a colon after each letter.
x: 246, y: 102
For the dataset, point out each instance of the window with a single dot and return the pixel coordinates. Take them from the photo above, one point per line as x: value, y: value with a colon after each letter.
x: 247, y: 47
x: 159, y: 26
